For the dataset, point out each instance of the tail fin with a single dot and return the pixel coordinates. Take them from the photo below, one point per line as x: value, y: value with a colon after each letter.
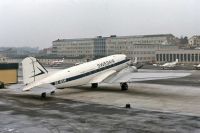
x: 32, y: 70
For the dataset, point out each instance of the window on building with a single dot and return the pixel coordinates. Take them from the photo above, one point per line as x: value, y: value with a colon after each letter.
x: 167, y: 57
x: 188, y: 57
x: 199, y: 57
x: 192, y: 57
x: 196, y: 57
x: 177, y: 56
x: 185, y: 57
x: 157, y: 57
x: 181, y: 57
x: 174, y: 57
x: 170, y: 58
x: 164, y: 59
x: 160, y: 57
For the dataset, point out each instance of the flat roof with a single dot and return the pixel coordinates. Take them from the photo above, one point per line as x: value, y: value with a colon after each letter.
x: 8, y: 66
x: 113, y: 36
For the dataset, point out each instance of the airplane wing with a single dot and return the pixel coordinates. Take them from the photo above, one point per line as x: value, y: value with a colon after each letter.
x: 143, y: 76
x: 103, y: 76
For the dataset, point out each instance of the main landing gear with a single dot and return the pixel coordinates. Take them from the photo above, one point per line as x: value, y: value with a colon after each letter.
x: 94, y: 85
x: 44, y: 94
x: 124, y: 86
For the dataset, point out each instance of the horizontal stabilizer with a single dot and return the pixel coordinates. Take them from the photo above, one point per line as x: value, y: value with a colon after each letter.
x: 43, y: 88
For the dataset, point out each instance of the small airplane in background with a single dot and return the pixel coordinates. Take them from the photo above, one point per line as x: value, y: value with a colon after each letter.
x: 57, y: 62
x: 109, y: 69
x: 168, y: 64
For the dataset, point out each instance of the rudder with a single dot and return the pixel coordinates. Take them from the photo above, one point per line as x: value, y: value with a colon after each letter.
x: 32, y: 70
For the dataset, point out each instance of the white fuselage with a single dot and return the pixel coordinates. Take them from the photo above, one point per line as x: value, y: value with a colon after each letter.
x: 83, y: 73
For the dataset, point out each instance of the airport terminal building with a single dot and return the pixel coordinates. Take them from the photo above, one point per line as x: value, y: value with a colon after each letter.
x: 142, y: 46
x: 186, y: 56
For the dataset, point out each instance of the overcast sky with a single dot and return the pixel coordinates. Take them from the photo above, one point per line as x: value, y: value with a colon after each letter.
x: 39, y: 22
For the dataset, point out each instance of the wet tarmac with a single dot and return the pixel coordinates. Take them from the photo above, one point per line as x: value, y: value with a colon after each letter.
x: 167, y: 106
x: 28, y: 114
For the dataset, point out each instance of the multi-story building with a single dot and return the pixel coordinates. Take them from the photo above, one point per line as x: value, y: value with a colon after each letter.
x: 99, y: 47
x: 146, y: 52
x: 186, y: 56
x: 143, y: 47
x: 71, y: 48
x: 194, y: 41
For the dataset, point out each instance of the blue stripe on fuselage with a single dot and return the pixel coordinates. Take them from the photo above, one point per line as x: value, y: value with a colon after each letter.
x: 88, y: 73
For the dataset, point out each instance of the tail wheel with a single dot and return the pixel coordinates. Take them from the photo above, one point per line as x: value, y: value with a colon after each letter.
x: 124, y: 86
x: 94, y: 85
x: 43, y: 95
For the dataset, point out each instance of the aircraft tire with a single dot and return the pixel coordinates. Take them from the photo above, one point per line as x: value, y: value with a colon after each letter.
x: 43, y: 95
x: 124, y: 86
x: 94, y: 85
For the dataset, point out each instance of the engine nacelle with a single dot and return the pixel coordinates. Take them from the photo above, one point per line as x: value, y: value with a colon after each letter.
x: 133, y: 69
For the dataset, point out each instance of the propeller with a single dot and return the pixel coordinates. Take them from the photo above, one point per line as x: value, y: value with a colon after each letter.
x: 133, y: 66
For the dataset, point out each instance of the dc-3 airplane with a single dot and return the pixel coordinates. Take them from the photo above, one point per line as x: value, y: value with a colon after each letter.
x: 109, y: 69
x: 168, y: 64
